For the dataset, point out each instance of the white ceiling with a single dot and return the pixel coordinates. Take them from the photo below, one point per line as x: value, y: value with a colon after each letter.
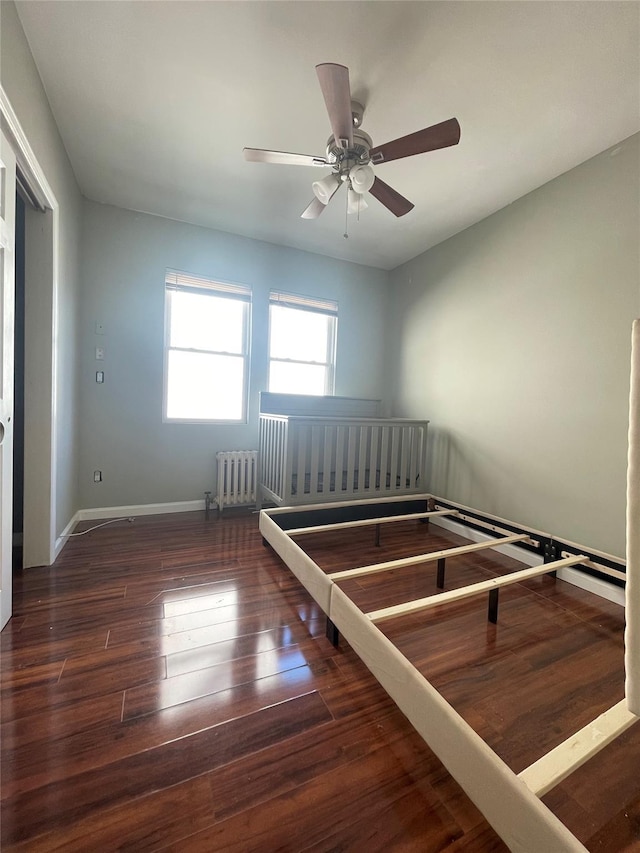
x: 155, y: 101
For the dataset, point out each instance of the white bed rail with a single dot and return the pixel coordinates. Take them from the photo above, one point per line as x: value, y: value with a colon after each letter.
x: 313, y: 459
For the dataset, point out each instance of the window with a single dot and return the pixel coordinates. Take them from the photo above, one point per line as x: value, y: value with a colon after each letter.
x: 302, y: 344
x: 206, y: 349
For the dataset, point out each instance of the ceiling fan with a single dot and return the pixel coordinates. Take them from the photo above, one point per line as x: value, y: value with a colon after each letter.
x: 350, y: 152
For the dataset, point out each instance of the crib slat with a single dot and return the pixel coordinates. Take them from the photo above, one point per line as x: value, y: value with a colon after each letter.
x: 314, y: 484
x: 405, y: 439
x: 329, y: 443
x: 351, y: 458
x: 384, y: 458
x: 273, y: 450
x: 265, y: 453
x: 393, y: 468
x: 276, y: 462
x: 341, y: 435
x: 275, y: 458
x: 373, y: 458
x: 286, y: 466
x: 294, y: 458
x: 411, y: 467
x: 362, y: 459
x: 273, y: 455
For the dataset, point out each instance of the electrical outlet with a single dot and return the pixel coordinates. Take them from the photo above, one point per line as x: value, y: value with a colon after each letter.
x: 99, y: 353
x: 97, y: 476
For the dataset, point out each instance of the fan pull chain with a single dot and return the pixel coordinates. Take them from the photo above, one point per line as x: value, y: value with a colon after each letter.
x: 346, y: 219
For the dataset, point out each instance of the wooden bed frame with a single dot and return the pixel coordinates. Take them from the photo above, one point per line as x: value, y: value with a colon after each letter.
x: 509, y: 801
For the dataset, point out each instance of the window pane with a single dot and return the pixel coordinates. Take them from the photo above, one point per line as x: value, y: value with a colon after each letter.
x: 287, y: 378
x: 206, y: 322
x: 205, y: 387
x: 300, y: 335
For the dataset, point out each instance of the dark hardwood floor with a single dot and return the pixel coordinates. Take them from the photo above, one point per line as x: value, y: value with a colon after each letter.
x: 168, y: 685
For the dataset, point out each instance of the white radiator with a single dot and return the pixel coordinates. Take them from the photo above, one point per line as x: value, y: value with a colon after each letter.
x: 237, y: 477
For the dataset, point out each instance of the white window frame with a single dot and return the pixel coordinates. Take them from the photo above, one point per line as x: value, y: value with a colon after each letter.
x: 315, y: 305
x: 190, y: 283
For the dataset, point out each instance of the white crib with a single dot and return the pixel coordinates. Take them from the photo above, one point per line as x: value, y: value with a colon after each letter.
x: 319, y: 449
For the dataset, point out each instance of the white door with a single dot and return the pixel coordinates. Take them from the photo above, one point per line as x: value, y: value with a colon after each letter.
x: 7, y: 299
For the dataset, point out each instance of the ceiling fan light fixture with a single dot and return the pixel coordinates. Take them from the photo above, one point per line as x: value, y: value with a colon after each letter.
x: 362, y: 178
x: 355, y: 202
x: 325, y: 188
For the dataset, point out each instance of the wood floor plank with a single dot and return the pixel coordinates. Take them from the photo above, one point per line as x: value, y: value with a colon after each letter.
x: 157, y: 695
x: 46, y: 726
x: 166, y: 765
x: 229, y: 650
x: 108, y: 678
x: 29, y: 652
x: 276, y: 770
x: 35, y: 767
x: 31, y: 675
x: 142, y: 824
x: 415, y: 821
x: 323, y: 807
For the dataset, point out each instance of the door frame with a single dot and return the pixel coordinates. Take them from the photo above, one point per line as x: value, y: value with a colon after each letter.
x: 40, y: 367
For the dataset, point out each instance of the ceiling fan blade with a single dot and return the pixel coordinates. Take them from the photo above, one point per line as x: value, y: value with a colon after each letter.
x: 334, y: 82
x: 429, y: 139
x: 314, y: 210
x: 396, y: 203
x: 283, y: 158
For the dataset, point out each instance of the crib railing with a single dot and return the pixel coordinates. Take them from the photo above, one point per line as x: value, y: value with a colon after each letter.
x: 312, y: 460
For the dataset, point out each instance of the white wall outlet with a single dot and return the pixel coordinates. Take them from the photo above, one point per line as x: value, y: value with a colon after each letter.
x: 99, y: 353
x: 97, y: 476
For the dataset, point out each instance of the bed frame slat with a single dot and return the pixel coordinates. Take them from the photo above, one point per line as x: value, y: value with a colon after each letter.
x: 467, y: 591
x: 427, y: 558
x: 548, y: 771
x: 367, y: 522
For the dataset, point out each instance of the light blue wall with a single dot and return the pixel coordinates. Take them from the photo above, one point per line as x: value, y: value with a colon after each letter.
x: 124, y: 259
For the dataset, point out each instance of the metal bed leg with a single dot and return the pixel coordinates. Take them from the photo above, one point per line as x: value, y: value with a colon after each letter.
x: 492, y: 615
x: 333, y: 635
x: 440, y: 575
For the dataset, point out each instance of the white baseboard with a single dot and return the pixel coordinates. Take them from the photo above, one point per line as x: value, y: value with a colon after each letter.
x: 125, y: 512
x: 572, y: 576
x: 595, y: 585
x: 138, y: 509
x: 61, y: 541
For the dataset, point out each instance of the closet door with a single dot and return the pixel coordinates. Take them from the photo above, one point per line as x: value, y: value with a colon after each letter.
x: 7, y: 298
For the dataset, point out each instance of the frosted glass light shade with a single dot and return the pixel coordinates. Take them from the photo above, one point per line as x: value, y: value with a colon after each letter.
x: 325, y: 188
x: 355, y: 202
x: 362, y: 178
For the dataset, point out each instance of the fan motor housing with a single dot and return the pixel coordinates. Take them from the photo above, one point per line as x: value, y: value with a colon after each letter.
x: 345, y: 158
